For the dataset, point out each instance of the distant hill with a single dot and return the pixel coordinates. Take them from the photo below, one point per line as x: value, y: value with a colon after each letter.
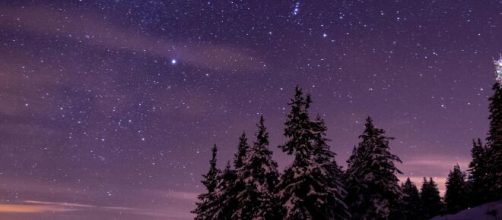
x: 488, y: 211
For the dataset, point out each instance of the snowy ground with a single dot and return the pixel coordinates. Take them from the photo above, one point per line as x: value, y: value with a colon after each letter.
x: 488, y: 211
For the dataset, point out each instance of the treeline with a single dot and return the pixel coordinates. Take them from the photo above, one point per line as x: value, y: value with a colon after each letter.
x: 315, y: 187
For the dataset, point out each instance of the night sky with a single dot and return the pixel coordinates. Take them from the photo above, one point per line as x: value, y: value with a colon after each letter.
x: 108, y: 109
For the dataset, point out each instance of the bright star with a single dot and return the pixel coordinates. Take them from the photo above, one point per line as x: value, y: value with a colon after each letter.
x: 173, y: 61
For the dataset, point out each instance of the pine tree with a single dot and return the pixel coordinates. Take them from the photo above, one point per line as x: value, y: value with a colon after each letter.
x: 431, y: 200
x: 456, y: 194
x: 494, y: 142
x: 371, y: 176
x: 259, y: 175
x: 226, y: 194
x: 410, y: 204
x: 206, y: 207
x: 241, y: 151
x: 477, y: 185
x: 330, y: 173
x: 229, y: 186
x: 309, y: 188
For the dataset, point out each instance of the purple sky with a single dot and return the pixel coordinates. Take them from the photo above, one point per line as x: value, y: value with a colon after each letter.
x: 108, y: 109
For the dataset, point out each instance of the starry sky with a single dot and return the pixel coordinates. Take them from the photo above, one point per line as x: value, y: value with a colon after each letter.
x: 108, y: 109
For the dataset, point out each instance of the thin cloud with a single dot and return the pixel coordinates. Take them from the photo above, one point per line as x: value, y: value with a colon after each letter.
x: 440, y: 163
x: 90, y: 30
x: 33, y: 208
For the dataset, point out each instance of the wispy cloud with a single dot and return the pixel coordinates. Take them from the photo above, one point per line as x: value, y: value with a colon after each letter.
x: 439, y: 162
x: 91, y: 30
x: 32, y: 207
x: 60, y: 198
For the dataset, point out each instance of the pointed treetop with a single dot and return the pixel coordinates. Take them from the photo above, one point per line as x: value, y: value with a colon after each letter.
x: 241, y: 151
x: 261, y: 122
x: 210, y: 179
x: 368, y: 125
x: 243, y: 136
x: 228, y: 167
x: 408, y: 181
x: 432, y: 182
x: 300, y: 101
x: 214, y: 151
x: 298, y: 91
x: 262, y: 134
x: 456, y: 167
x: 369, y: 121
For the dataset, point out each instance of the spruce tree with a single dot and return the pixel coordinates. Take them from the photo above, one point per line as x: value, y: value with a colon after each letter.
x: 373, y: 189
x: 229, y: 186
x: 431, y: 200
x: 258, y: 175
x: 226, y: 194
x: 456, y: 193
x: 410, y: 204
x: 477, y: 184
x: 330, y: 173
x: 206, y: 207
x: 494, y: 142
x: 241, y: 151
x: 309, y: 188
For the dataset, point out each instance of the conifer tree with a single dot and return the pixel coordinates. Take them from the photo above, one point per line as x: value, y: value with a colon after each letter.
x: 226, y: 194
x: 410, y: 204
x: 241, y: 151
x: 477, y: 185
x: 309, y: 188
x: 494, y: 142
x: 330, y: 174
x: 371, y: 176
x: 456, y: 195
x: 206, y: 207
x: 431, y: 200
x: 258, y: 175
x: 229, y: 186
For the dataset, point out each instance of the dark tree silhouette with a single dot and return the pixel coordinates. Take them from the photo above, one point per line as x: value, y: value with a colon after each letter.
x: 494, y: 142
x: 309, y: 188
x: 477, y: 183
x: 258, y: 175
x: 371, y: 176
x: 456, y: 191
x: 410, y: 207
x: 206, y: 206
x: 431, y: 200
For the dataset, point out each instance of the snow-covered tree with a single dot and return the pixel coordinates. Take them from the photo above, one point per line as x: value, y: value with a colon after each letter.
x: 477, y: 184
x: 310, y: 188
x: 241, y: 151
x: 410, y: 204
x: 494, y: 143
x: 431, y: 200
x: 330, y: 173
x: 206, y: 207
x: 456, y: 193
x: 229, y: 186
x: 226, y: 194
x: 258, y: 176
x: 372, y: 185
